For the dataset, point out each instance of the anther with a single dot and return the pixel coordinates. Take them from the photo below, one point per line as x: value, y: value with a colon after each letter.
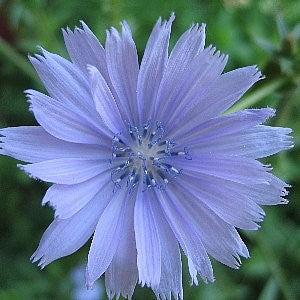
x: 131, y: 177
x: 131, y: 133
x: 117, y: 140
x: 135, y: 182
x: 145, y: 129
x: 153, y: 181
x: 125, y: 174
x: 186, y: 154
x: 161, y: 152
x: 161, y: 174
x: 119, y: 155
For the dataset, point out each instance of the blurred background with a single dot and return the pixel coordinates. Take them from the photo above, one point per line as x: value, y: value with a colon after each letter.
x: 265, y: 33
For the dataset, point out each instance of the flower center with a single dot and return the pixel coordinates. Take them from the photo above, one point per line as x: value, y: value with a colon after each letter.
x: 143, y: 160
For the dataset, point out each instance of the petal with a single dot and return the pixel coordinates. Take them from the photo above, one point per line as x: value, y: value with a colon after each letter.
x: 152, y: 67
x: 123, y: 67
x: 225, y: 200
x: 85, y: 49
x: 67, y: 200
x: 62, y: 79
x: 272, y: 193
x: 34, y: 144
x: 66, y: 170
x: 67, y: 84
x: 60, y: 121
x: 121, y: 275
x: 229, y: 88
x: 184, y: 51
x: 222, y: 125
x: 193, y: 84
x: 257, y: 142
x: 65, y: 236
x: 223, y: 93
x: 105, y: 102
x: 237, y: 169
x: 187, y: 236
x: 187, y: 47
x: 107, y: 236
x: 147, y: 240
x: 171, y: 267
x: 220, y: 239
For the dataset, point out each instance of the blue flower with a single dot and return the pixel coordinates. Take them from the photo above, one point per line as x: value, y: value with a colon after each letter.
x: 143, y: 159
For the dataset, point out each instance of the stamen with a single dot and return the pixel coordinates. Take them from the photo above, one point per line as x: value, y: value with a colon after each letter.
x: 131, y: 177
x: 145, y: 129
x: 186, y: 153
x: 161, y: 152
x: 156, y: 135
x: 153, y: 181
x: 145, y: 157
x: 132, y: 133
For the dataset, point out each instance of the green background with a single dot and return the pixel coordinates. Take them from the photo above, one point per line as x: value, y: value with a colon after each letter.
x: 265, y: 33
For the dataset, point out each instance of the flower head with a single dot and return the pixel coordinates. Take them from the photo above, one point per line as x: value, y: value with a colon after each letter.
x: 143, y: 159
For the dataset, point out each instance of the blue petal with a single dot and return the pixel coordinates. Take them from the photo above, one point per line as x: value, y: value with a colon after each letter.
x: 123, y: 67
x: 65, y: 236
x: 189, y: 239
x: 152, y: 68
x: 121, y: 275
x: 61, y: 121
x: 107, y: 236
x: 147, y: 240
x: 66, y: 170
x: 34, y: 144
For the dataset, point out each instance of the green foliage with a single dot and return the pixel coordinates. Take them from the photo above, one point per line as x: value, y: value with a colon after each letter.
x: 251, y: 32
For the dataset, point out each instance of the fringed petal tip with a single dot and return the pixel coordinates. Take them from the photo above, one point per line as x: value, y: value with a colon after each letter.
x: 68, y: 32
x: 197, y: 28
x: 166, y: 23
x: 283, y: 186
x: 237, y: 262
x: 168, y: 295
x: 2, y: 142
x: 144, y: 282
x: 33, y: 57
x: 24, y: 169
x: 125, y: 28
x: 111, y: 295
x: 89, y: 282
x: 2, y: 132
x: 205, y: 273
x: 29, y: 93
x: 116, y: 295
x: 38, y: 257
x: 270, y: 112
x: 172, y: 18
x: 43, y: 56
x: 194, y: 279
x: 37, y: 59
x: 243, y: 251
x: 215, y: 56
x: 257, y: 74
x: 263, y: 113
x: 85, y: 28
